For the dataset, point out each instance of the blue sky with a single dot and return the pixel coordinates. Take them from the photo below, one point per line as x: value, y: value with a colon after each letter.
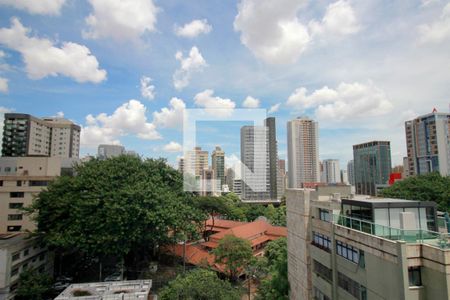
x: 361, y: 68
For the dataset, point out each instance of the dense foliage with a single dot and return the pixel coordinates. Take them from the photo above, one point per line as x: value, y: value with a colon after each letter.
x: 114, y: 207
x: 276, y: 285
x: 234, y: 253
x: 33, y: 285
x: 428, y: 187
x: 199, y: 284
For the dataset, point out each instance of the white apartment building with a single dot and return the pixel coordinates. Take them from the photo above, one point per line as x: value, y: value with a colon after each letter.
x: 303, y: 152
x: 331, y: 171
x: 108, y: 151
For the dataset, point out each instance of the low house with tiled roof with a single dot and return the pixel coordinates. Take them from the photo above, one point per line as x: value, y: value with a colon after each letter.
x: 258, y: 233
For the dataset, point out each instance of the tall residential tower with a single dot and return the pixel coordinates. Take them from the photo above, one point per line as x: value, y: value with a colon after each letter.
x: 218, y: 166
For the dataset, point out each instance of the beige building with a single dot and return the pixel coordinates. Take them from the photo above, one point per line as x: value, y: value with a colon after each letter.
x: 21, y: 179
x: 346, y: 247
x: 195, y: 161
x: 26, y: 135
x: 303, y: 152
x: 17, y: 253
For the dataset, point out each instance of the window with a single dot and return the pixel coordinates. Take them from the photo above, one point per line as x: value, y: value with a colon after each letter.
x: 16, y: 194
x: 24, y: 266
x: 347, y: 251
x: 318, y: 295
x: 15, y: 217
x: 414, y: 275
x: 26, y: 252
x: 42, y: 257
x: 324, y: 215
x: 321, y: 241
x: 19, y: 183
x: 14, y: 272
x: 1, y: 182
x: 38, y: 183
x: 15, y: 205
x: 322, y: 271
x: 15, y: 256
x: 14, y: 228
x: 349, y: 285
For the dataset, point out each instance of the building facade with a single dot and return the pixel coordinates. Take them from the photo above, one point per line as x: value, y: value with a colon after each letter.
x: 255, y: 172
x: 428, y: 144
x: 372, y: 166
x: 21, y: 179
x: 218, y: 166
x: 25, y: 135
x: 351, y: 172
x: 303, y: 152
x: 273, y: 157
x: 109, y: 151
x: 331, y: 171
x: 341, y: 247
x: 19, y: 252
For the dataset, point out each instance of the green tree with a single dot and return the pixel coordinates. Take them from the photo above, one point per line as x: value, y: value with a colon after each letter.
x: 428, y: 187
x: 212, y: 206
x: 115, y: 207
x: 275, y: 249
x: 234, y: 253
x: 33, y: 285
x: 199, y: 284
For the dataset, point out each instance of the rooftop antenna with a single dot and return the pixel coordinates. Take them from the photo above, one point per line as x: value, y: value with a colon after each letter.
x: 434, y: 110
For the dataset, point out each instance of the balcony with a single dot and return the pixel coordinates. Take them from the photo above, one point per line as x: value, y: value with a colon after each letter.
x: 432, y: 238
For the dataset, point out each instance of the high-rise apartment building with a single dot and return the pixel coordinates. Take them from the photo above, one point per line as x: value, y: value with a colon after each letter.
x: 355, y: 247
x: 281, y: 179
x: 25, y: 135
x: 351, y: 172
x: 331, y: 171
x: 428, y: 144
x: 181, y: 165
x: 273, y: 156
x: 195, y: 161
x: 344, y: 177
x: 372, y: 166
x: 229, y: 178
x: 218, y: 166
x: 21, y: 179
x: 255, y: 158
x: 303, y: 152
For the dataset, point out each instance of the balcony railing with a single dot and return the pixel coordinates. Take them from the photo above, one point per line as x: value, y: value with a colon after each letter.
x: 436, y: 239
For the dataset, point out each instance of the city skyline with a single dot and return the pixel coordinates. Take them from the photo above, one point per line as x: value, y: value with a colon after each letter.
x: 198, y: 56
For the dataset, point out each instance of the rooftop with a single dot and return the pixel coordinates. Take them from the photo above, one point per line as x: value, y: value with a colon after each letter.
x: 10, y: 239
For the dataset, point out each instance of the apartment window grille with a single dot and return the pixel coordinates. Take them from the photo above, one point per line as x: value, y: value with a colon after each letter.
x: 322, y: 271
x: 15, y: 217
x: 14, y: 228
x: 26, y: 252
x: 16, y: 194
x: 38, y: 183
x: 347, y: 251
x: 15, y: 256
x: 321, y: 241
x: 14, y: 272
x: 15, y: 205
x: 318, y: 295
x: 19, y: 182
x: 324, y: 215
x: 414, y: 275
x: 349, y: 285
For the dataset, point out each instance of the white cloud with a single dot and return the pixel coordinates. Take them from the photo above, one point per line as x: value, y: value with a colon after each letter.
x: 173, y: 147
x: 3, y: 85
x: 60, y: 114
x: 2, y: 54
x: 42, y: 58
x: 147, y: 89
x: 220, y: 106
x: 271, y: 29
x: 339, y: 20
x: 189, y: 65
x: 38, y: 7
x: 193, y: 29
x: 121, y: 20
x: 128, y: 119
x: 347, y: 101
x: 232, y: 161
x: 251, y: 102
x: 274, y: 108
x: 171, y: 117
x: 437, y: 31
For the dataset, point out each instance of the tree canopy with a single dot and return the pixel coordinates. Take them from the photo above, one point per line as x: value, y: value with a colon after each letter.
x: 114, y: 206
x: 234, y: 253
x: 199, y: 284
x: 33, y: 285
x: 428, y: 187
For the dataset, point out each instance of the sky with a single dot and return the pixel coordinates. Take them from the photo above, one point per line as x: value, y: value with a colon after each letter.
x: 125, y: 70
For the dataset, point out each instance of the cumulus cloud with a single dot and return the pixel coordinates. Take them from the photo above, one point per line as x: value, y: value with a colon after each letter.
x: 347, y: 101
x: 170, y: 117
x: 220, y: 106
x: 437, y: 31
x: 250, y: 102
x: 42, y: 58
x: 3, y: 85
x: 121, y: 20
x: 339, y: 20
x: 173, y: 147
x: 274, y: 108
x: 271, y: 29
x: 193, y: 29
x: 38, y: 7
x: 147, y: 89
x: 128, y: 119
x: 189, y: 65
